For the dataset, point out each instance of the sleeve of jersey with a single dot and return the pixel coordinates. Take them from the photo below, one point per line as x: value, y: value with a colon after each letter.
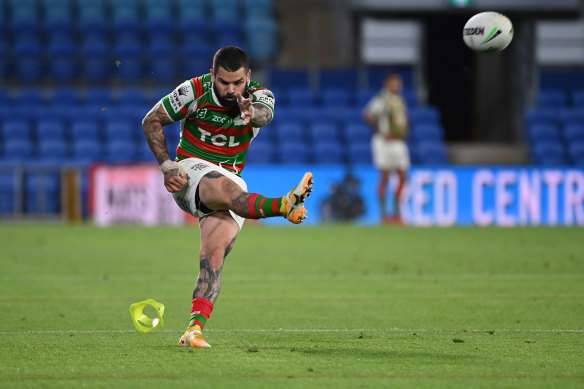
x: 177, y: 103
x: 265, y: 97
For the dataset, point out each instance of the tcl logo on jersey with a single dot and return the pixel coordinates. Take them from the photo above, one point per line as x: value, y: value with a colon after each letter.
x: 218, y: 139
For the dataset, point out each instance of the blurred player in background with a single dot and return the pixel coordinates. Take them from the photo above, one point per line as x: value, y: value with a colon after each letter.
x: 386, y: 113
x: 220, y: 114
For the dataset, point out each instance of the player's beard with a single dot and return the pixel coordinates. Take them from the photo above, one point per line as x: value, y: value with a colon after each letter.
x: 223, y: 99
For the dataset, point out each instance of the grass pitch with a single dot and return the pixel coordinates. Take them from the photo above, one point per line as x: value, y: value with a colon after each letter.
x: 307, y: 307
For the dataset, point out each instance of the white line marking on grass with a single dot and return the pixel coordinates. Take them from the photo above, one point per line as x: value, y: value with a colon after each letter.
x: 302, y: 330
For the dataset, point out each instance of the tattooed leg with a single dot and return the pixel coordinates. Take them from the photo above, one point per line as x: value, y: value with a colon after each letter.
x: 218, y: 234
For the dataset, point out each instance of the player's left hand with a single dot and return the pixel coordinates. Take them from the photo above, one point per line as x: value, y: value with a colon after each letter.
x: 245, y: 107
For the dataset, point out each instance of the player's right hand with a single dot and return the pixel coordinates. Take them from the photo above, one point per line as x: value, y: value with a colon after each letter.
x: 175, y: 179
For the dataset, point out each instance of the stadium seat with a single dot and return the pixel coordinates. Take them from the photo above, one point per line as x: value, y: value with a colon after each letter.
x: 323, y: 131
x: 120, y: 151
x: 16, y: 130
x: 431, y: 153
x: 293, y: 152
x: 424, y: 115
x: 289, y: 131
x: 357, y: 131
x: 359, y: 152
x: 364, y: 96
x: 301, y: 97
x: 573, y: 133
x: 30, y: 96
x: 17, y: 150
x: 7, y: 195
x: 51, y: 129
x: 84, y: 130
x: 260, y: 153
x: 548, y: 153
x: 64, y: 96
x: 578, y: 98
x: 552, y: 98
x: 133, y: 96
x: 99, y: 97
x: 52, y: 150
x: 411, y: 98
x: 328, y: 152
x: 427, y: 132
x: 571, y: 116
x: 541, y: 116
x: 576, y: 152
x: 42, y: 194
x: 543, y: 132
x: 118, y: 130
x: 335, y: 97
x: 86, y: 151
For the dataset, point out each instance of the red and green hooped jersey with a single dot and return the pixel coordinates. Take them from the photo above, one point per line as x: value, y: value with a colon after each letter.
x: 208, y: 130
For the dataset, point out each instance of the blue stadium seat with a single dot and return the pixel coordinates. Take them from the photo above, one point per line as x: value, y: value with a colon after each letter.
x: 424, y: 115
x: 548, y: 153
x: 120, y: 151
x: 335, y: 97
x: 578, y: 98
x: 357, y: 131
x: 84, y: 130
x: 52, y: 150
x: 84, y: 151
x: 16, y: 130
x: 552, y: 98
x: 17, y: 150
x: 423, y: 132
x: 573, y: 133
x: 431, y: 153
x: 543, y: 132
x: 541, y: 116
x: 571, y: 116
x: 289, y: 131
x: 576, y: 152
x: 64, y: 96
x: 30, y: 96
x: 62, y: 65
x: 364, y: 95
x: 411, y: 98
x: 328, y: 152
x: 118, y: 130
x: 261, y: 153
x: 340, y: 77
x: 51, y: 129
x: 7, y: 196
x: 292, y: 152
x: 100, y: 97
x: 288, y: 78
x: 42, y: 193
x: 323, y: 131
x: 359, y: 152
x: 301, y: 97
x: 58, y: 16
x: 133, y: 96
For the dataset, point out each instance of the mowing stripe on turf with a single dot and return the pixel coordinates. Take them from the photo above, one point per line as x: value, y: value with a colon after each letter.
x: 304, y: 330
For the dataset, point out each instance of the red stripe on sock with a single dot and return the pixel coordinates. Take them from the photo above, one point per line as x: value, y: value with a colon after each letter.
x: 275, y: 208
x: 261, y: 207
x: 192, y: 324
x: 204, y: 307
x: 253, y: 214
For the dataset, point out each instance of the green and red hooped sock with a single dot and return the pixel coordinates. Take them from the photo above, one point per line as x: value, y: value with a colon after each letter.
x: 200, y: 312
x: 260, y: 207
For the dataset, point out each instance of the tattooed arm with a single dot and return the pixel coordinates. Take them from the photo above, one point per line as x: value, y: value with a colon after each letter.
x: 152, y: 125
x: 256, y: 114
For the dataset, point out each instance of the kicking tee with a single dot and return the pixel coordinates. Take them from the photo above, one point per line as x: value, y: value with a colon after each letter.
x: 209, y: 130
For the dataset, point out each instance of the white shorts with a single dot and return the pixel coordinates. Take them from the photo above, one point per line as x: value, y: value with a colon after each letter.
x: 187, y: 198
x: 390, y: 154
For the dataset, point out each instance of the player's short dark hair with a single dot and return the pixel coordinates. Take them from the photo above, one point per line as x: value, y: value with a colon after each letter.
x: 230, y: 58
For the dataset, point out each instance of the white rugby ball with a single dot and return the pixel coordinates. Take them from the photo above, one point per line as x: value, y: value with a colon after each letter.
x: 488, y: 32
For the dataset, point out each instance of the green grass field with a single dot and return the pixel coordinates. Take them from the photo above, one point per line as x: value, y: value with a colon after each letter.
x: 308, y: 307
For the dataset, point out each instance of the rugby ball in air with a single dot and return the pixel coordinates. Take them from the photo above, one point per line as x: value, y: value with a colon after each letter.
x: 488, y: 32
